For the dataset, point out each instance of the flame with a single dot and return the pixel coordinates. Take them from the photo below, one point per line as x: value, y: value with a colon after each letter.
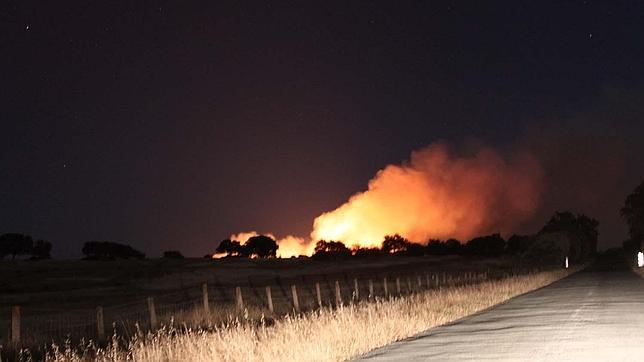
x: 435, y: 195
x: 288, y: 246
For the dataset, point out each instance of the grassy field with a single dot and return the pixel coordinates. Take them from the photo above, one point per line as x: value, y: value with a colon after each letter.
x: 51, y: 286
x: 58, y: 298
x: 324, y: 335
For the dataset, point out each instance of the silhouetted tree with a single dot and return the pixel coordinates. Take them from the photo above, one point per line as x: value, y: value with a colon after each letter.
x: 261, y: 246
x: 453, y: 247
x: 331, y: 250
x: 435, y: 247
x: 395, y: 244
x: 518, y: 244
x: 41, y: 250
x: 587, y: 231
x: 552, y: 247
x: 15, y: 244
x: 414, y: 249
x: 172, y: 254
x: 633, y: 214
x: 631, y: 246
x: 229, y: 247
x: 110, y: 250
x: 581, y: 231
x: 490, y: 245
x: 439, y: 247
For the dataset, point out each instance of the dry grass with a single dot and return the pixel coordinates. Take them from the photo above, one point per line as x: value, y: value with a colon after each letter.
x: 325, y: 335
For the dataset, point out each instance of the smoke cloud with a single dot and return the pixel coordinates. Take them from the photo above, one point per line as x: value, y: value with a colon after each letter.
x: 436, y: 194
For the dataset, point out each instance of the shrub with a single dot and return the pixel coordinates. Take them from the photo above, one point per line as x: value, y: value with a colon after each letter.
x: 110, y: 250
x: 490, y: 245
x: 172, y: 254
x: 331, y: 250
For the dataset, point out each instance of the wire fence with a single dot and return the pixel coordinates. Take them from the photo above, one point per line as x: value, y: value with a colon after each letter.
x: 214, y: 302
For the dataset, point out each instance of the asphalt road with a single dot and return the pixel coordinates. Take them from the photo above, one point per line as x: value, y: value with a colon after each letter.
x: 593, y: 315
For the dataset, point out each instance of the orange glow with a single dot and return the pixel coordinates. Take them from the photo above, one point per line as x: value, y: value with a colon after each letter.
x: 288, y: 246
x: 434, y: 195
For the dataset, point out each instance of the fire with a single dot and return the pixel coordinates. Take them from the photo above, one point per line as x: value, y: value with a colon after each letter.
x: 436, y: 194
x: 288, y: 246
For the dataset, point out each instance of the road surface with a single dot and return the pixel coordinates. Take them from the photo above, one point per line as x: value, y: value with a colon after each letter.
x: 594, y: 315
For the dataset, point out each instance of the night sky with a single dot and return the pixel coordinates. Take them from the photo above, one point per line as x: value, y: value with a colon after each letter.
x: 171, y: 125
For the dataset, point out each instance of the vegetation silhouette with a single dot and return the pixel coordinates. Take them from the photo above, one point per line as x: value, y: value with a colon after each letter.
x: 107, y: 250
x: 633, y: 213
x: 490, y: 245
x: 41, y: 250
x: 15, y: 244
x: 439, y: 247
x: 578, y: 231
x: 172, y: 254
x: 565, y: 234
x: 394, y: 244
x: 331, y: 250
x: 367, y: 252
x: 229, y: 247
x: 259, y: 246
x: 519, y: 244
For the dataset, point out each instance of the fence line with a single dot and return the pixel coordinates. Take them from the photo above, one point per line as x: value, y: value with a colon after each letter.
x: 209, y: 299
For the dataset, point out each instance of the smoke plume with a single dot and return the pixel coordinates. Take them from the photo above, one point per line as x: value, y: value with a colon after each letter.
x: 436, y: 194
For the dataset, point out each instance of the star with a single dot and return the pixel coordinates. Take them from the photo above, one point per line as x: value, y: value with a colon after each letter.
x: 27, y: 27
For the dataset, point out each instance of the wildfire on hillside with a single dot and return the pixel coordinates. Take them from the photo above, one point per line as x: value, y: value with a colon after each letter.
x: 435, y: 195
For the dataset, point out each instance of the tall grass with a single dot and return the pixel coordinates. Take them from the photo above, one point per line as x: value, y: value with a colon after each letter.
x: 324, y: 335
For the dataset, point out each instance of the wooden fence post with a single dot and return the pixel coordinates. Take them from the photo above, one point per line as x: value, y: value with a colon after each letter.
x: 356, y: 289
x: 318, y: 294
x: 370, y: 288
x: 15, y: 325
x: 384, y: 286
x: 153, y: 313
x: 269, y: 299
x: 204, y: 295
x: 435, y: 276
x: 239, y: 298
x: 420, y: 281
x: 398, y: 285
x: 296, y: 302
x: 338, y: 296
x: 100, y: 324
x: 408, y: 285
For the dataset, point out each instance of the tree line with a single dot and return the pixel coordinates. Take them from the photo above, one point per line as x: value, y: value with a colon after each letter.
x: 259, y: 246
x: 17, y: 245
x: 564, y: 235
x: 633, y: 213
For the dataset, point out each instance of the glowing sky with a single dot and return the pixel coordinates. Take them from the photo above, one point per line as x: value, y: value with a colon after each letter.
x: 171, y: 125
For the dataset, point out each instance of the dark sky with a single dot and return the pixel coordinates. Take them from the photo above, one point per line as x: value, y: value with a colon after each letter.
x: 171, y: 125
